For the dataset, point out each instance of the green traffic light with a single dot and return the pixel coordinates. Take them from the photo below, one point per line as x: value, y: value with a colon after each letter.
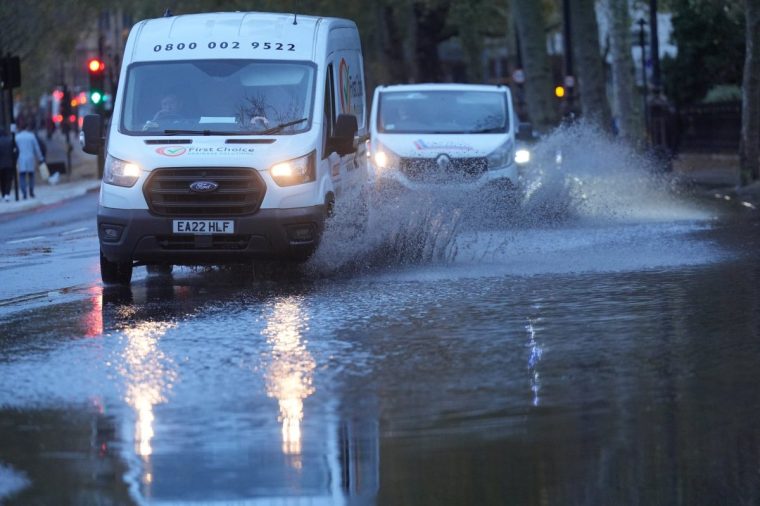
x: 96, y: 97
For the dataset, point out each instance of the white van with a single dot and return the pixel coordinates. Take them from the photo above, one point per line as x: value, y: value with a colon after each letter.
x: 427, y: 134
x: 233, y: 135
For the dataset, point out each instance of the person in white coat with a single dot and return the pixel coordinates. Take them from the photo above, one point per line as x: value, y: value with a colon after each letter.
x: 29, y: 156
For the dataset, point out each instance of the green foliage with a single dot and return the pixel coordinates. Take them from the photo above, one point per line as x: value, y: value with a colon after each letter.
x: 44, y: 32
x: 41, y: 32
x: 723, y: 93
x: 710, y: 40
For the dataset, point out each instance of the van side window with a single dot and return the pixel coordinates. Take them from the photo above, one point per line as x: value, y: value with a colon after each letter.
x: 329, y: 112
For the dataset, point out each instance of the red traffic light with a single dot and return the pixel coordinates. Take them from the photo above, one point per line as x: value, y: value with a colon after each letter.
x: 95, y: 65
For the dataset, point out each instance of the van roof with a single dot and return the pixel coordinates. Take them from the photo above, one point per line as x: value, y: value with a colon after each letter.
x: 442, y: 86
x: 291, y: 36
x: 224, y: 23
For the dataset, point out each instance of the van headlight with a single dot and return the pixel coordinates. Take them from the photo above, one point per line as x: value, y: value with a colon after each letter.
x: 501, y: 156
x: 384, y: 158
x: 522, y: 156
x: 296, y: 171
x: 120, y: 173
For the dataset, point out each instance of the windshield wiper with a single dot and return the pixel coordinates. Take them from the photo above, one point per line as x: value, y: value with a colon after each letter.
x: 206, y: 132
x: 268, y: 131
x: 279, y: 127
x: 489, y: 130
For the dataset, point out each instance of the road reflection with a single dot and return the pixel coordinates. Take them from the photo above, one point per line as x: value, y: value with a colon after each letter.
x: 93, y: 319
x: 536, y: 351
x: 330, y: 460
x: 147, y: 371
x: 289, y: 376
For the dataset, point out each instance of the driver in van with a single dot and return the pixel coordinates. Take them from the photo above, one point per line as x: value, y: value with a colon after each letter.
x: 171, y: 106
x: 400, y: 117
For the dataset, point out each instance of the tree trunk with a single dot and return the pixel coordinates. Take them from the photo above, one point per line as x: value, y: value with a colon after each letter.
x: 749, y: 149
x: 589, y: 66
x: 410, y: 42
x: 629, y: 114
x: 431, y: 21
x: 539, y: 94
x: 391, y: 45
x: 468, y: 15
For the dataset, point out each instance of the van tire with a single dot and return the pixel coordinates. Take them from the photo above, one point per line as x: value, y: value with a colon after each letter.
x: 159, y: 269
x: 115, y: 273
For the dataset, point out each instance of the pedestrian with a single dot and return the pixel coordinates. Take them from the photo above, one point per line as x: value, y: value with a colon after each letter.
x: 29, y: 155
x: 8, y: 156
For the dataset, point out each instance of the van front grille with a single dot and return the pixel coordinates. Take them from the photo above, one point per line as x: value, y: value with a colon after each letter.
x: 238, y: 191
x: 428, y: 169
x: 215, y: 242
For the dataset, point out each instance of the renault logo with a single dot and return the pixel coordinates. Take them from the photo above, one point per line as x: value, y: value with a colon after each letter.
x: 443, y: 162
x: 203, y: 186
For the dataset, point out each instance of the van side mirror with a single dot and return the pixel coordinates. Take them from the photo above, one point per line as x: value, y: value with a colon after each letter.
x: 525, y: 132
x: 91, y: 136
x: 346, y: 128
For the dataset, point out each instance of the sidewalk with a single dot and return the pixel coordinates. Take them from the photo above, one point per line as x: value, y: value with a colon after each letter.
x: 716, y: 174
x: 81, y: 178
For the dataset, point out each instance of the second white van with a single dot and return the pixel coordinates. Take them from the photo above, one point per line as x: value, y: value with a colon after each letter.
x: 432, y: 134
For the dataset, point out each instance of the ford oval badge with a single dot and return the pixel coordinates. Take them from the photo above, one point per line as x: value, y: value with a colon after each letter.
x: 203, y: 186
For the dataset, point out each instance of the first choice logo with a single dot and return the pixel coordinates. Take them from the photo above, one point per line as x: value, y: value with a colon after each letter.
x: 171, y: 151
x: 344, y: 87
x: 174, y: 151
x: 348, y: 88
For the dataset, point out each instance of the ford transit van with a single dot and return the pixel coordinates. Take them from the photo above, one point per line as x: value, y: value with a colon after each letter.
x: 233, y: 137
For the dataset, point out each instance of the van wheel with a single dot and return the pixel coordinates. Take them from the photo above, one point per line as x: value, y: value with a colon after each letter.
x: 159, y: 269
x: 115, y: 273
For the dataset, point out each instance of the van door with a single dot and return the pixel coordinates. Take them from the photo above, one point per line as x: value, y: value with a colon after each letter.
x: 347, y: 76
x: 330, y: 157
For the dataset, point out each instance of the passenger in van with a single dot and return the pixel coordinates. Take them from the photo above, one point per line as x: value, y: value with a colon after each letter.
x: 271, y: 107
x: 259, y: 123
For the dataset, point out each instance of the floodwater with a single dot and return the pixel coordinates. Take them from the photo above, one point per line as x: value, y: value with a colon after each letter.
x: 597, y: 344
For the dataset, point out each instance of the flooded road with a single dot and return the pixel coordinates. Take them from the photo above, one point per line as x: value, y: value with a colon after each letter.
x: 601, y: 358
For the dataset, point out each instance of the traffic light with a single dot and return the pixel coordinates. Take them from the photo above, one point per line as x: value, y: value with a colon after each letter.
x: 96, y: 69
x: 10, y: 72
x: 65, y: 110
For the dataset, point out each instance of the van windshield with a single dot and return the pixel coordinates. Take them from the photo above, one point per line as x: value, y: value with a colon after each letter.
x: 443, y: 111
x: 223, y: 97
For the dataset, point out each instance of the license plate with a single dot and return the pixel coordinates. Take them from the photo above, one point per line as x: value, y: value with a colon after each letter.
x: 203, y: 227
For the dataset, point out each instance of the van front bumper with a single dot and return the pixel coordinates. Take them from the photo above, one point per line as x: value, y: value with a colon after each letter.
x: 138, y: 235
x: 508, y: 176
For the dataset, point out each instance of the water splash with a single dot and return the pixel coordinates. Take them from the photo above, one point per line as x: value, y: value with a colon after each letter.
x: 583, y: 190
x: 580, y: 172
x: 11, y: 481
x: 397, y: 228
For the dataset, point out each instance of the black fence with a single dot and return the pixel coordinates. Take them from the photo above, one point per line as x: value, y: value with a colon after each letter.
x: 709, y: 128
